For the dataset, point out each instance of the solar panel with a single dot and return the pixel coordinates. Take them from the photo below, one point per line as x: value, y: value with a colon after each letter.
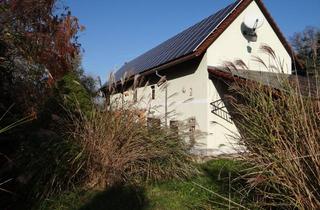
x: 178, y: 46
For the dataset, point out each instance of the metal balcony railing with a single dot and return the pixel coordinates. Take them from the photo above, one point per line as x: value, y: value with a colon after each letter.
x: 218, y: 108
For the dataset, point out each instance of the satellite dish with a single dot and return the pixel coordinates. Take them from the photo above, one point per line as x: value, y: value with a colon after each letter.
x: 251, y: 23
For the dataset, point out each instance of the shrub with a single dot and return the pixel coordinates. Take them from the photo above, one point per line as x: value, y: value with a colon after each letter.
x: 83, y: 146
x: 68, y: 96
x: 49, y: 161
x: 121, y: 148
x: 280, y: 130
x: 73, y: 94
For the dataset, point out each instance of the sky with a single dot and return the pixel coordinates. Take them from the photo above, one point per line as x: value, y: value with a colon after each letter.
x: 117, y: 31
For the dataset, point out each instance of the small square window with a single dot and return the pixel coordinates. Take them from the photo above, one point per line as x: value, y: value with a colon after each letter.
x: 153, y: 122
x: 174, y: 126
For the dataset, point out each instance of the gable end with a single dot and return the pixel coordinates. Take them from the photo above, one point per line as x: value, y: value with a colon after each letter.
x: 229, y: 20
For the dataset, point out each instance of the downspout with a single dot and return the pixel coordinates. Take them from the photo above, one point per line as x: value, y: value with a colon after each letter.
x: 165, y: 100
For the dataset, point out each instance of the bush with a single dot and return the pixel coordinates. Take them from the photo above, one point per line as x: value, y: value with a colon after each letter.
x: 68, y: 96
x: 49, y: 161
x: 83, y: 146
x: 121, y: 149
x: 280, y: 130
x: 73, y: 95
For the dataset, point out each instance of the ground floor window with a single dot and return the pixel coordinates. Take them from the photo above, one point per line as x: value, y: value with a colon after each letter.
x: 174, y: 126
x: 153, y: 122
x: 192, y: 129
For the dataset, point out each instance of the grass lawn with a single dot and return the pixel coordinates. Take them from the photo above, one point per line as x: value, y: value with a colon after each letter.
x: 217, y: 174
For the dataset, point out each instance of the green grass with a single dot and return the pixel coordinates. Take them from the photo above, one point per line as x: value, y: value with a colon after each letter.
x: 168, y: 195
x: 178, y: 195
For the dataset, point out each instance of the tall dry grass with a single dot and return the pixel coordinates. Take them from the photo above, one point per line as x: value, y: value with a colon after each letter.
x: 121, y: 148
x: 100, y: 148
x: 280, y: 130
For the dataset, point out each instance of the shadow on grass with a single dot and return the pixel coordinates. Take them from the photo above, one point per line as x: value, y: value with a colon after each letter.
x: 118, y: 198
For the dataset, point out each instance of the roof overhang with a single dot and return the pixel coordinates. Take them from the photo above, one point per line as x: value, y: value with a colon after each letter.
x: 307, y: 86
x: 156, y: 69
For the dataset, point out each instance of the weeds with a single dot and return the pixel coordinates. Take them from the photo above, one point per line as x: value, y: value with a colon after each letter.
x: 280, y: 129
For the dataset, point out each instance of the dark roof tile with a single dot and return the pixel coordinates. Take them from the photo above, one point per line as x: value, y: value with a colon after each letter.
x: 178, y: 46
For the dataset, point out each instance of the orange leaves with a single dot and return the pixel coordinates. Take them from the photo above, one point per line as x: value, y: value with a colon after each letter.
x: 45, y: 37
x: 40, y: 36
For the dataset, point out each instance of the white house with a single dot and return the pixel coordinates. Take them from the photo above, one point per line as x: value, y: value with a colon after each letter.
x: 190, y: 88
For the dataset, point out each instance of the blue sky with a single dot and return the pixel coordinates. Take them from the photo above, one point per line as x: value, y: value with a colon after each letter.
x: 119, y: 30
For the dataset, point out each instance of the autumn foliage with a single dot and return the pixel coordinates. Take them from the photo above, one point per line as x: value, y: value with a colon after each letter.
x: 38, y: 46
x: 38, y: 41
x: 43, y: 37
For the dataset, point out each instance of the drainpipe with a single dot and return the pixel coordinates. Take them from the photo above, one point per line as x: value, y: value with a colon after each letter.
x: 165, y: 100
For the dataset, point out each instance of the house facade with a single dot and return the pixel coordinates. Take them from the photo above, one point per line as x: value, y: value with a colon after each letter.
x: 177, y: 84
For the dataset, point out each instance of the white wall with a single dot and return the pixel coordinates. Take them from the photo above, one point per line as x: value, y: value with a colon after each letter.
x: 231, y: 46
x: 186, y: 96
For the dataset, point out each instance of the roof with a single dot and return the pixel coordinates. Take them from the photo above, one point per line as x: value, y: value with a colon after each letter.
x: 307, y: 86
x: 180, y: 45
x: 194, y: 41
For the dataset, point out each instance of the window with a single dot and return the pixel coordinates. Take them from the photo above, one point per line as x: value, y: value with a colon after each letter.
x: 192, y: 130
x: 153, y: 93
x: 174, y: 126
x: 108, y: 99
x: 135, y: 95
x: 122, y: 98
x: 153, y: 122
x: 126, y: 93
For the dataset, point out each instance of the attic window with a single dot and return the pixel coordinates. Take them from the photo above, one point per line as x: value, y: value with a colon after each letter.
x: 153, y: 92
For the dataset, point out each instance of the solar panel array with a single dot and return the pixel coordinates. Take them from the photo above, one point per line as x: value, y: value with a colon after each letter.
x: 178, y: 46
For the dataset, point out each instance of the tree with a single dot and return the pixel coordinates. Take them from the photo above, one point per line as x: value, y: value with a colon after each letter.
x: 74, y: 95
x: 90, y: 83
x: 37, y: 44
x: 307, y: 46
